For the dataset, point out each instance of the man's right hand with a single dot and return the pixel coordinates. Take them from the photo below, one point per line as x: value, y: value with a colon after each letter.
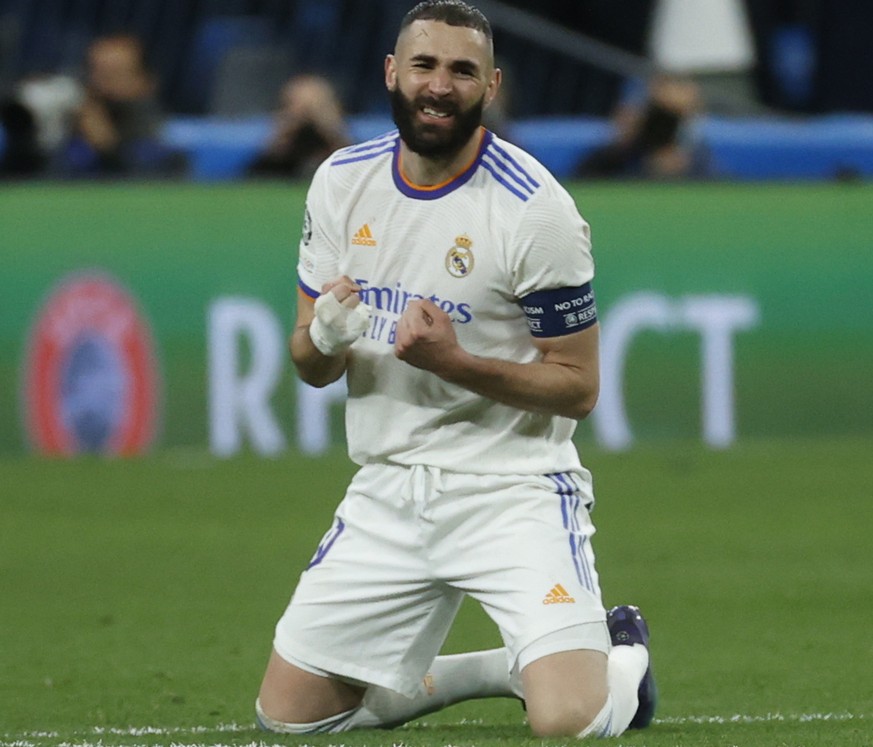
x: 340, y: 317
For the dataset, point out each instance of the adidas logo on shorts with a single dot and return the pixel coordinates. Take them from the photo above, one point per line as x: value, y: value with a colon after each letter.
x: 558, y: 595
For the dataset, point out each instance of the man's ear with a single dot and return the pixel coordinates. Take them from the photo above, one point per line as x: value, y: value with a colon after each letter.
x: 493, y: 86
x: 390, y: 72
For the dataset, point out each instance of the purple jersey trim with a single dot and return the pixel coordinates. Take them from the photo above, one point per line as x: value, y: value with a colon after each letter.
x: 311, y: 292
x: 372, y: 148
x: 434, y: 194
x: 500, y: 178
x: 501, y: 152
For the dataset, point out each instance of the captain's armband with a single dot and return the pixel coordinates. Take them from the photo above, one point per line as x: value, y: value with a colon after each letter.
x: 561, y: 311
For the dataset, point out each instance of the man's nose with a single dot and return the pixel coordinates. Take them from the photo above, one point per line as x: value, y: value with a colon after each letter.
x: 440, y: 82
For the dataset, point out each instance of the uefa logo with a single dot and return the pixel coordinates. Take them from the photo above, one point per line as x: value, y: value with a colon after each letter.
x: 90, y: 380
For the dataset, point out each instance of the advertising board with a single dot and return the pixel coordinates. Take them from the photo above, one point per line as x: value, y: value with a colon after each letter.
x: 727, y: 312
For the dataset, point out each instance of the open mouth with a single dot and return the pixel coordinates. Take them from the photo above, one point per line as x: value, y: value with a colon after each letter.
x: 429, y: 111
x: 433, y: 111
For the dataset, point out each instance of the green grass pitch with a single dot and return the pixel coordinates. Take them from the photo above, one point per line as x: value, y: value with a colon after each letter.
x: 138, y: 597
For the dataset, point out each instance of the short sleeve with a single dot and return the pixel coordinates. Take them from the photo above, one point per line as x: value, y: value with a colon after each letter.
x: 318, y: 253
x: 552, y: 246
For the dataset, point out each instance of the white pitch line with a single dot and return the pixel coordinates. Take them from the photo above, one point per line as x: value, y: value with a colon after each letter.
x: 740, y: 718
x: 26, y: 739
x: 101, y: 743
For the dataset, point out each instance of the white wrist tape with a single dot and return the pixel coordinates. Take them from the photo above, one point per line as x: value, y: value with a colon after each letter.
x: 335, y: 327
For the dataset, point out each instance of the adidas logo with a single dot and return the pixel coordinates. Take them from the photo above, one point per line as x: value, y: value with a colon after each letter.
x: 364, y: 236
x: 558, y: 595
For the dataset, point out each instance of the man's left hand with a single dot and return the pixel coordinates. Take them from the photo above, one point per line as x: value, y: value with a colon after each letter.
x: 426, y: 337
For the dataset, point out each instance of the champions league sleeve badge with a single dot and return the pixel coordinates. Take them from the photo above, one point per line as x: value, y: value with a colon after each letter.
x: 460, y: 260
x: 307, y: 226
x: 90, y: 383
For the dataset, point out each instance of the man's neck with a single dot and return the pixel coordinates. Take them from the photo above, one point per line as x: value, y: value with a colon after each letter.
x: 423, y: 171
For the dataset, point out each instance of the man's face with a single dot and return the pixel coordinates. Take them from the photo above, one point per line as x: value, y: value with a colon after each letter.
x: 440, y: 79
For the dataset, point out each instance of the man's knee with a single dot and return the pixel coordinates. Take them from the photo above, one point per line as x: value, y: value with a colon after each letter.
x: 296, y: 701
x: 565, y: 692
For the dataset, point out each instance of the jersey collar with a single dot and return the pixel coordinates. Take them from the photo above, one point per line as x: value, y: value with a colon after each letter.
x: 438, y: 190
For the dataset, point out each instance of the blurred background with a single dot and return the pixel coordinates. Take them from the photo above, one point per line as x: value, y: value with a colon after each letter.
x: 155, y: 155
x: 754, y: 89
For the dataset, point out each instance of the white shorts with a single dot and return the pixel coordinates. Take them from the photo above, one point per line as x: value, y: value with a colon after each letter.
x: 379, y: 596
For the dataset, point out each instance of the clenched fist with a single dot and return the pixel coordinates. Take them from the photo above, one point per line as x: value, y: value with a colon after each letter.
x: 426, y: 338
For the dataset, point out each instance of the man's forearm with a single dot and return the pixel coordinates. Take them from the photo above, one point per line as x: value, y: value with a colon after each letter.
x: 552, y: 388
x: 313, y: 367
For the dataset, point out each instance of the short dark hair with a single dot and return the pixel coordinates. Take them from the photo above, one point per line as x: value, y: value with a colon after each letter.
x: 451, y: 12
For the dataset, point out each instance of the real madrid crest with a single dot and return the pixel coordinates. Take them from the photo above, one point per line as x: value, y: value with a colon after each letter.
x: 459, y: 260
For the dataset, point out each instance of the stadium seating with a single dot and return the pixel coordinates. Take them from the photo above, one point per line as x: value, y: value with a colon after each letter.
x: 826, y: 147
x: 221, y: 63
x: 821, y: 148
x: 213, y: 39
x: 742, y: 148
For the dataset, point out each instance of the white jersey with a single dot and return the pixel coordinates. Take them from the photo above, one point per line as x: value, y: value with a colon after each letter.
x: 475, y: 245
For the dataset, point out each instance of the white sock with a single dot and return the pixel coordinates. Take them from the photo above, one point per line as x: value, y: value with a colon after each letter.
x: 452, y: 679
x: 329, y: 725
x: 602, y: 726
x: 627, y: 665
x: 482, y: 674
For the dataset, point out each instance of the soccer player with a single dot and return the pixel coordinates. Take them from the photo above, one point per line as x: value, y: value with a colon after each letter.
x: 451, y: 279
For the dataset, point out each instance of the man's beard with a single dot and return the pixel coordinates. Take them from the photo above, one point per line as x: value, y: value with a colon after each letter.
x: 434, y: 141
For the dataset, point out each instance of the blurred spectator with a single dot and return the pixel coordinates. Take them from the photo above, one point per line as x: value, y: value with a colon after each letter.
x: 36, y: 119
x: 117, y: 127
x: 20, y: 155
x: 654, y: 135
x: 309, y: 126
